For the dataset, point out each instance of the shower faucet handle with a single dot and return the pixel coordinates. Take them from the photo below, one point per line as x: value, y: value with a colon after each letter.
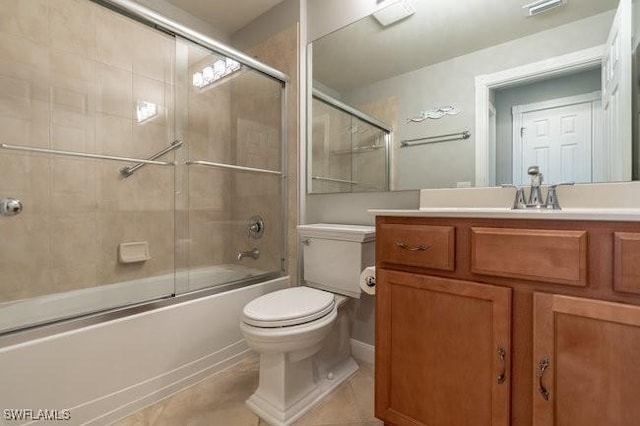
x: 10, y: 206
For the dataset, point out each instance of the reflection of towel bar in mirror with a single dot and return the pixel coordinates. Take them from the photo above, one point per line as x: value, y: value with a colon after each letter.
x: 326, y: 179
x: 435, y: 139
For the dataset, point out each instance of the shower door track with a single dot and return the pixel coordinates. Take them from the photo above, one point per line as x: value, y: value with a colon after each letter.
x: 169, y: 25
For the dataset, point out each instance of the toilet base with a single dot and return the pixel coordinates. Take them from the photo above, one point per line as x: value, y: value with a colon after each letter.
x: 279, y: 417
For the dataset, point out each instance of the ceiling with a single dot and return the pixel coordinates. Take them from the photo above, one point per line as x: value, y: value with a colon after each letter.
x: 226, y: 16
x: 365, y: 52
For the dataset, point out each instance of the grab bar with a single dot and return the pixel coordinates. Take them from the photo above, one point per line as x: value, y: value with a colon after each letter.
x: 351, y: 182
x: 128, y: 170
x: 232, y: 167
x: 435, y: 139
x: 85, y: 155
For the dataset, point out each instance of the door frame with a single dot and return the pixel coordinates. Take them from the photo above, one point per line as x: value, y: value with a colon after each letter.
x: 552, y: 67
x: 519, y: 110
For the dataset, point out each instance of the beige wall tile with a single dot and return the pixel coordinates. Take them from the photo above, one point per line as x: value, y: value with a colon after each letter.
x: 114, y: 135
x: 73, y: 240
x: 115, y: 38
x: 114, y: 91
x: 73, y: 186
x: 153, y: 54
x: 73, y: 26
x: 28, y: 19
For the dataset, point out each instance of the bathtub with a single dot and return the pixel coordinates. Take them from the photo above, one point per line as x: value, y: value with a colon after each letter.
x: 105, y: 371
x: 39, y: 310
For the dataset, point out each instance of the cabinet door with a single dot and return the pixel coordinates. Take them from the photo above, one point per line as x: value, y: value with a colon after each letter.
x: 442, y: 351
x: 586, y: 362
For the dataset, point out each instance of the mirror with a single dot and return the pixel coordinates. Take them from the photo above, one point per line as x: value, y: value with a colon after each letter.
x: 475, y: 91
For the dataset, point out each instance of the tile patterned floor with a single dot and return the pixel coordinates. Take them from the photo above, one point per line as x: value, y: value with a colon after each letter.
x: 219, y: 400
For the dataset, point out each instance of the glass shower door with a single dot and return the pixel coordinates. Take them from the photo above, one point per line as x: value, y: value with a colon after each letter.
x: 232, y: 227
x: 79, y: 89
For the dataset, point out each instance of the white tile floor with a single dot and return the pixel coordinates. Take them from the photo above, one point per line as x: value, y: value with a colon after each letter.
x: 219, y: 400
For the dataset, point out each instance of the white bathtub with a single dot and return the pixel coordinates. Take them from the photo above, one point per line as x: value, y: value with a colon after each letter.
x: 108, y: 370
x: 39, y: 310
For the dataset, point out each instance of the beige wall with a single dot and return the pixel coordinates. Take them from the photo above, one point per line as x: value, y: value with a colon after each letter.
x: 70, y: 77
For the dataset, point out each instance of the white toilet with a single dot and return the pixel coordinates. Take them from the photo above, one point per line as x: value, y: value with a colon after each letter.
x: 302, y: 333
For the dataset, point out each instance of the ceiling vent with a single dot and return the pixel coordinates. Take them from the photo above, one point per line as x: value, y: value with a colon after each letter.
x: 395, y: 12
x: 542, y: 6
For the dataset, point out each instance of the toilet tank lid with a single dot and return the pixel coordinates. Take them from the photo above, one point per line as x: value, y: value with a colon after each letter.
x: 333, y: 231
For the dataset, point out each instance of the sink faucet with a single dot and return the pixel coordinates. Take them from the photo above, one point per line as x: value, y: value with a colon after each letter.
x: 535, y: 195
x: 255, y: 254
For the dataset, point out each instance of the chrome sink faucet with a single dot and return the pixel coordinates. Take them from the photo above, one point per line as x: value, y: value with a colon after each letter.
x: 535, y: 195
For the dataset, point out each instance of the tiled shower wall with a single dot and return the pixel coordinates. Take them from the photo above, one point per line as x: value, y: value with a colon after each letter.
x: 71, y: 74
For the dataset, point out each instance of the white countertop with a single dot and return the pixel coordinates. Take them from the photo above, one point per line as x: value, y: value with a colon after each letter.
x: 604, y: 214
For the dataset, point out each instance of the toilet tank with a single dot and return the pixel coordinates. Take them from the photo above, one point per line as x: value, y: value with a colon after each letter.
x: 335, y: 255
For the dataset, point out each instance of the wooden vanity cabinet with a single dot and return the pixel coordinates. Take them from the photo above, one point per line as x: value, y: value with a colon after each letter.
x: 478, y: 319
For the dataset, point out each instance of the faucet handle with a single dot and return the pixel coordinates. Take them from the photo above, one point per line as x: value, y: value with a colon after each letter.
x: 552, y: 197
x: 519, y: 201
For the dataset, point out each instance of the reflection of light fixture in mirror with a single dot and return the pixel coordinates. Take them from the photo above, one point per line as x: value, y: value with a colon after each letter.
x: 395, y: 12
x: 212, y: 73
x: 146, y: 111
x: 541, y: 6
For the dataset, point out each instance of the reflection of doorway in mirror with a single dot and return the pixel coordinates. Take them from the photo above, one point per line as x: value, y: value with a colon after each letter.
x: 559, y: 136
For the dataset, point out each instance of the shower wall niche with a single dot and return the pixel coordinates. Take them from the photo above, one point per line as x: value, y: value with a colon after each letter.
x: 86, y: 91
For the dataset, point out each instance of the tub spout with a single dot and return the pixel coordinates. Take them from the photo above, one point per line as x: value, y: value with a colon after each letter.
x: 255, y: 254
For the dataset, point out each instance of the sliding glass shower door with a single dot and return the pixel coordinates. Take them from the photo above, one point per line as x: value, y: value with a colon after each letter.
x: 133, y: 154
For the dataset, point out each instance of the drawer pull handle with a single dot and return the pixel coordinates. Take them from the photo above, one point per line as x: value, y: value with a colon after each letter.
x: 404, y: 246
x: 502, y: 354
x: 542, y: 366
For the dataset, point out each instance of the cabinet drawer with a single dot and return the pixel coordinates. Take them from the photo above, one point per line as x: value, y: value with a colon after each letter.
x: 539, y: 255
x: 424, y: 246
x: 627, y: 262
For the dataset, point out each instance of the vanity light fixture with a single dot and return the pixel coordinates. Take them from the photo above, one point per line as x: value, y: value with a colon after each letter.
x: 395, y: 12
x: 541, y: 6
x: 212, y: 73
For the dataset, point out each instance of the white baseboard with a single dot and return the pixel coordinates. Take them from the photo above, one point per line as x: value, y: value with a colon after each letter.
x: 363, y: 351
x: 130, y: 400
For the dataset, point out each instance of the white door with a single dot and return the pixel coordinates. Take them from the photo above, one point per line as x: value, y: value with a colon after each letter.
x: 616, y: 96
x: 558, y: 140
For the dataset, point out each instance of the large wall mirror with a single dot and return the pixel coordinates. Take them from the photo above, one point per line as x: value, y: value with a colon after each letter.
x: 473, y: 92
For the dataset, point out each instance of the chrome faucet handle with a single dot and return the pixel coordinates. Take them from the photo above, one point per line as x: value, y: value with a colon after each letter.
x: 518, y: 202
x: 535, y: 196
x: 552, y: 202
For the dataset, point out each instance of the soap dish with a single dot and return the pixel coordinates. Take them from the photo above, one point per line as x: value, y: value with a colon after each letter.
x: 133, y: 252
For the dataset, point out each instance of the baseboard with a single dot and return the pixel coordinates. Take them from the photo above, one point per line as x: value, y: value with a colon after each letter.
x: 130, y: 400
x: 363, y: 351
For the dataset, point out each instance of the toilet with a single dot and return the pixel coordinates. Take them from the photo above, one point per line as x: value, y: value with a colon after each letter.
x: 302, y: 333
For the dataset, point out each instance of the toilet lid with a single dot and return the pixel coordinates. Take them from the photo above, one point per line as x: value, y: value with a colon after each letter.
x: 291, y: 306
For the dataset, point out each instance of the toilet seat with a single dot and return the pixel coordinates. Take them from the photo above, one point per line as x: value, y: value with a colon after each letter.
x: 288, y: 307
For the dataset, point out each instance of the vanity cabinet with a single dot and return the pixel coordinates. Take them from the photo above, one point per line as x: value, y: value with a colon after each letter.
x: 483, y: 321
